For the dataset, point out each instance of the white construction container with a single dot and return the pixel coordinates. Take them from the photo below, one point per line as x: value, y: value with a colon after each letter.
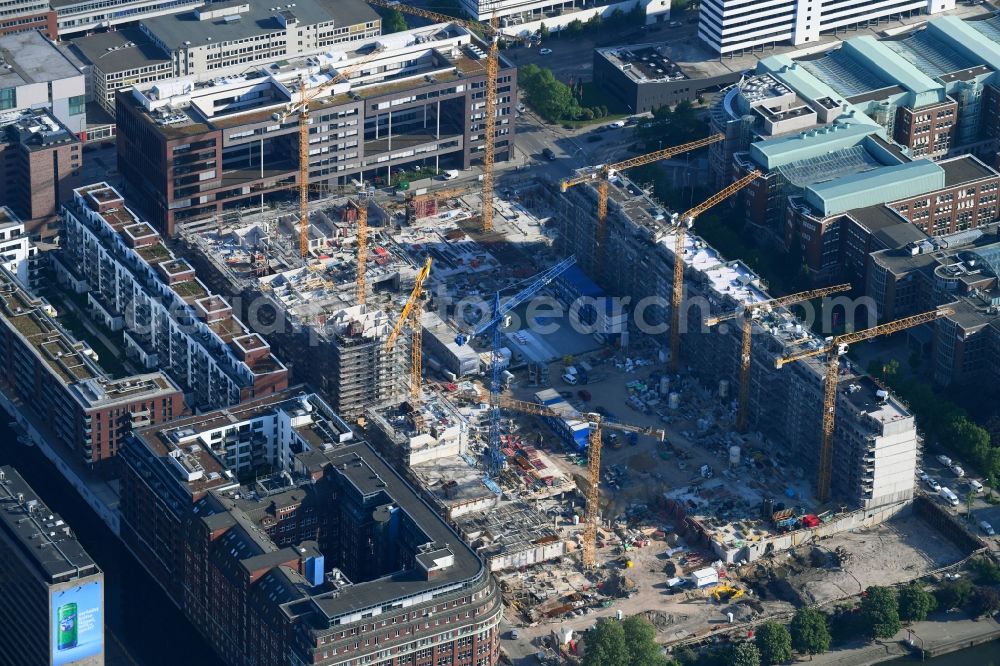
x: 723, y: 388
x: 734, y: 456
x: 674, y: 400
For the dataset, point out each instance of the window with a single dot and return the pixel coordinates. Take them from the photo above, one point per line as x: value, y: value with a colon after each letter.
x: 77, y: 105
x: 8, y: 98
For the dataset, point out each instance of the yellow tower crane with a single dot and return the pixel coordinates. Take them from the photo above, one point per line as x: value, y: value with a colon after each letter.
x: 301, y: 106
x: 603, y: 174
x: 490, y: 97
x: 683, y: 223
x: 748, y: 312
x: 834, y: 350
x: 597, y: 424
x: 362, y: 247
x: 411, y: 313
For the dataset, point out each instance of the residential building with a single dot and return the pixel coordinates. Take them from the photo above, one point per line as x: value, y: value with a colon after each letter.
x: 20, y: 255
x: 188, y: 154
x: 58, y: 382
x: 330, y: 559
x: 170, y: 319
x: 34, y: 73
x: 732, y: 27
x: 28, y: 15
x: 51, y: 590
x: 40, y: 160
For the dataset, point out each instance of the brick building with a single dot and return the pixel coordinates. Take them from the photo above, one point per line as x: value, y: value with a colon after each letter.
x: 57, y: 381
x: 331, y: 559
x: 188, y: 153
x: 40, y: 163
x: 171, y: 321
x: 28, y: 15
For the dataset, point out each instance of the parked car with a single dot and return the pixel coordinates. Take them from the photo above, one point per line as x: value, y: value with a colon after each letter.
x: 957, y: 471
x: 986, y: 528
x: 520, y: 107
x: 549, y: 155
x: 975, y: 486
x: 944, y: 460
x: 932, y: 484
x: 922, y: 475
x: 544, y: 51
x: 513, y: 634
x: 675, y: 24
x: 616, y: 124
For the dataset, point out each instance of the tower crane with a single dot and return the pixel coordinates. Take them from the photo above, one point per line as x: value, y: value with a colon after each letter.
x: 411, y: 312
x: 594, y: 443
x: 683, y: 222
x: 306, y: 97
x: 604, y: 173
x: 492, y: 67
x: 834, y: 349
x: 362, y: 248
x: 748, y: 312
x: 493, y: 325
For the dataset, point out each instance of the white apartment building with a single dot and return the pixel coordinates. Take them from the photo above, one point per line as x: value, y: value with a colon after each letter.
x: 171, y: 321
x: 735, y: 26
x: 17, y: 252
x: 35, y: 74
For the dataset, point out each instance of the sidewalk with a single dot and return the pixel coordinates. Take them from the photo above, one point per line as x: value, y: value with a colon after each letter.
x: 936, y: 637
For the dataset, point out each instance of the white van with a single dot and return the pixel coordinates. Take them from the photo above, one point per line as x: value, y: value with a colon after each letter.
x: 948, y: 496
x: 975, y: 485
x: 450, y: 174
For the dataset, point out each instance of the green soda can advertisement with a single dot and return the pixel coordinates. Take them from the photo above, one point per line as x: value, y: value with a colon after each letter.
x: 67, y: 627
x: 76, y: 623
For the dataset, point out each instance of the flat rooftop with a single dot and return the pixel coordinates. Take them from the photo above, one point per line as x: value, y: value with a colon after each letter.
x: 32, y: 59
x: 35, y: 129
x: 260, y: 17
x: 40, y: 535
x: 644, y: 63
x: 118, y: 50
x: 965, y: 169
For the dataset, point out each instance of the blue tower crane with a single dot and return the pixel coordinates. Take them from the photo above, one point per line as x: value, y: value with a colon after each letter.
x: 494, y: 458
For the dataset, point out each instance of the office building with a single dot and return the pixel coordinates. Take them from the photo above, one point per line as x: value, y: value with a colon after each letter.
x: 51, y: 591
x: 170, y: 319
x: 28, y: 16
x: 732, y: 27
x: 58, y: 383
x: 34, y: 73
x: 20, y: 255
x: 80, y: 17
x: 931, y: 90
x: 330, y: 558
x: 189, y: 154
x: 219, y: 39
x: 40, y: 160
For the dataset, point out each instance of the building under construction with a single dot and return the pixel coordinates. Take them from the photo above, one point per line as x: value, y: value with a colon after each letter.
x: 876, y: 445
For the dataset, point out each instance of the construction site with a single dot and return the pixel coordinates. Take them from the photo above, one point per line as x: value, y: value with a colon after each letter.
x: 704, y: 454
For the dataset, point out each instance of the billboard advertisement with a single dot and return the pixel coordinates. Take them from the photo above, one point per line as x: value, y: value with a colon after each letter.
x: 76, y: 623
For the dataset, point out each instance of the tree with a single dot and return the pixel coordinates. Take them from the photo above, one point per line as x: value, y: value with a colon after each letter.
x: 551, y: 98
x: 640, y: 641
x: 985, y: 601
x: 543, y: 31
x: 393, y: 21
x: 953, y: 593
x: 810, y: 631
x: 915, y: 603
x: 987, y: 573
x: 774, y: 643
x: 880, y: 612
x: 746, y: 654
x: 605, y: 644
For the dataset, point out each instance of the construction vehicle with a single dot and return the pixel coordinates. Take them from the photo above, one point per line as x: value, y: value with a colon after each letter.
x: 597, y: 423
x: 834, y: 349
x: 605, y: 172
x: 682, y: 224
x: 493, y: 325
x: 301, y: 106
x: 411, y: 313
x: 749, y: 311
x: 492, y: 31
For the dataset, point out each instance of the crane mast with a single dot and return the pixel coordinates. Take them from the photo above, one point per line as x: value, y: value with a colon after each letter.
x: 747, y: 313
x: 411, y: 315
x: 834, y: 350
x: 594, y: 445
x: 681, y: 228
